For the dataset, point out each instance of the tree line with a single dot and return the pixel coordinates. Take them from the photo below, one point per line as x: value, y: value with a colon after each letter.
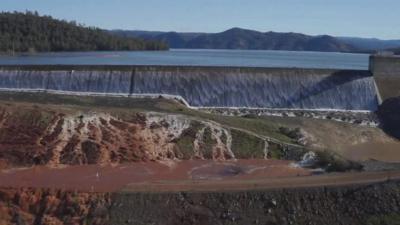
x: 30, y: 32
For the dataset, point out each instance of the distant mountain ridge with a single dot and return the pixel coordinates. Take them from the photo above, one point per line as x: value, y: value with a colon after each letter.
x: 370, y: 43
x: 238, y: 38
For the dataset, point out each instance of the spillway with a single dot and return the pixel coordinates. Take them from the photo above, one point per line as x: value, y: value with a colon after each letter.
x: 207, y: 86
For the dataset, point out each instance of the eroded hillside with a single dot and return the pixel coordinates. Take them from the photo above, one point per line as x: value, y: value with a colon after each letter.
x: 106, y: 141
x: 68, y: 130
x: 32, y: 136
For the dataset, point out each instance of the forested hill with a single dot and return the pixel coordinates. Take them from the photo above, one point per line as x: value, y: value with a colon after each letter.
x: 238, y: 38
x: 30, y: 32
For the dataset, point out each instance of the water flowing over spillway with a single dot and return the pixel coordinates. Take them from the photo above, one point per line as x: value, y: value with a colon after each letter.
x: 210, y: 87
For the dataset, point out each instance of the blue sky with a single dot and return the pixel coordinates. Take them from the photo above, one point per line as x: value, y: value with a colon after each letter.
x: 363, y: 18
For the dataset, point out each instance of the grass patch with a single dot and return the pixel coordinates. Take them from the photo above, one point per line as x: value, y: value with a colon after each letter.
x: 256, y: 125
x: 185, y: 141
x: 332, y: 162
x: 246, y: 146
x: 32, y: 118
x: 275, y: 152
x: 140, y: 104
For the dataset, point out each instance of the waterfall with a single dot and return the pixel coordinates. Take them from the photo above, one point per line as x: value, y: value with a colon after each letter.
x: 212, y: 87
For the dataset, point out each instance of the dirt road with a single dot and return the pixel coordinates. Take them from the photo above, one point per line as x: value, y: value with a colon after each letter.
x: 337, y: 179
x: 107, y: 178
x: 183, y: 176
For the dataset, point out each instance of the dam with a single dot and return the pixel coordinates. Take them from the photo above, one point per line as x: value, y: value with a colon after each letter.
x: 217, y: 86
x: 223, y: 87
x: 386, y: 71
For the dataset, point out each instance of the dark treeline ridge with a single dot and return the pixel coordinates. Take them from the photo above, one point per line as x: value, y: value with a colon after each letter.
x: 30, y: 32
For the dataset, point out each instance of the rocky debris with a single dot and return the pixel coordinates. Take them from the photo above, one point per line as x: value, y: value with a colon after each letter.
x: 53, y: 207
x: 299, y: 135
x: 332, y: 162
x: 389, y: 115
x: 319, y: 160
x: 362, y: 204
x: 357, y: 204
x: 309, y: 159
x: 352, y: 117
x: 374, y: 165
x: 377, y: 203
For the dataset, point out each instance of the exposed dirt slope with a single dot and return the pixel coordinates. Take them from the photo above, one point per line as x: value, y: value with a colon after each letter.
x: 31, y: 135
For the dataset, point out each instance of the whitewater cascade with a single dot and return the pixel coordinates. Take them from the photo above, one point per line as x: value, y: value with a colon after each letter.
x: 211, y: 87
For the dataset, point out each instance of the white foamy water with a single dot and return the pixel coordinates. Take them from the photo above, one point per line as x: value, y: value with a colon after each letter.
x: 200, y: 87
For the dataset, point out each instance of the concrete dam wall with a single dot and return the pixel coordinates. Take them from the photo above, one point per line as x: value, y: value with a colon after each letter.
x: 386, y: 71
x: 206, y: 86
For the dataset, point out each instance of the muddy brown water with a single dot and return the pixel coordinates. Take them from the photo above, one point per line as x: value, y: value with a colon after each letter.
x: 98, y: 178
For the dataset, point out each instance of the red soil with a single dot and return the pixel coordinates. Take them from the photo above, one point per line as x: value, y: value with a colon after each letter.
x: 30, y: 136
x: 112, y: 178
x: 173, y: 176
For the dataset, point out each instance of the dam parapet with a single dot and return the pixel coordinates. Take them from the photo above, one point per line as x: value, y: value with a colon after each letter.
x: 385, y: 65
x: 222, y: 87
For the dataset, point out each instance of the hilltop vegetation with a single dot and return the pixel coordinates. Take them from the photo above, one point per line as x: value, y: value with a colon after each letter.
x: 30, y: 32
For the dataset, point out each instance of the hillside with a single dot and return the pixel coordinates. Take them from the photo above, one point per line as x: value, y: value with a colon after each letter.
x: 30, y: 32
x: 237, y: 38
x: 370, y: 43
x: 76, y: 159
x: 173, y: 39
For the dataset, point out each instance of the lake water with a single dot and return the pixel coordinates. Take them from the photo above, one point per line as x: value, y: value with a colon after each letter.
x: 245, y: 58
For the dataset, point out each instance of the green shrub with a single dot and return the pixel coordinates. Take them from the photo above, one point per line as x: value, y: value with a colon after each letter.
x: 332, y: 162
x: 246, y: 146
x: 185, y: 141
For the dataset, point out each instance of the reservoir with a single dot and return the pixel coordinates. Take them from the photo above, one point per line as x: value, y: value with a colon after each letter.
x: 197, y: 57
